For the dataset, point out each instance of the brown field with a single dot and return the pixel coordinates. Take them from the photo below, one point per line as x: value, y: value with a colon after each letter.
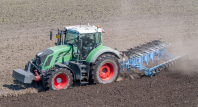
x: 24, y: 31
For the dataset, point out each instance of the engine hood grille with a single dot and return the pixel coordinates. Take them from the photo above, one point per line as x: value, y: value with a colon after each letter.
x: 41, y: 56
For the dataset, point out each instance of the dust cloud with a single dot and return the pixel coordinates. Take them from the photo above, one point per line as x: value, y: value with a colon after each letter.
x: 189, y: 48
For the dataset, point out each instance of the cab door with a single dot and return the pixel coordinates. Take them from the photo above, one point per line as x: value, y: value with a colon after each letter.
x: 89, y: 42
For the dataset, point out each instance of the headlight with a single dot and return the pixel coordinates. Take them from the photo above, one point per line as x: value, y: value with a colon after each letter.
x: 41, y: 65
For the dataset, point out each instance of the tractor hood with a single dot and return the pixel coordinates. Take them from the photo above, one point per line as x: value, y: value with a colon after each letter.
x: 60, y: 48
x: 42, y: 55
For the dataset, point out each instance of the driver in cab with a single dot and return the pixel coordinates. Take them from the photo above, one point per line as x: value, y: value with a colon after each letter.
x: 87, y: 42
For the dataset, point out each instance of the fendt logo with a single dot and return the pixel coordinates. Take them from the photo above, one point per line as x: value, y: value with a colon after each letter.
x: 39, y: 53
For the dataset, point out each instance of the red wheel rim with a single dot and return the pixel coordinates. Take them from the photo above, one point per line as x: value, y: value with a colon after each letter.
x: 106, y: 72
x: 60, y: 81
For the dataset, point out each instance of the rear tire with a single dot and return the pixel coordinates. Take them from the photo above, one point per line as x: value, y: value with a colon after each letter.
x: 58, y: 78
x: 105, y: 70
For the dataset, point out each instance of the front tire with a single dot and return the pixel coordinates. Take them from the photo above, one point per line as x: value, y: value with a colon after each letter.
x: 106, y: 69
x: 57, y: 79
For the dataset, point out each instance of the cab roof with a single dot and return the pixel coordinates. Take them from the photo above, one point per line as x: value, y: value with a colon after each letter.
x: 83, y: 29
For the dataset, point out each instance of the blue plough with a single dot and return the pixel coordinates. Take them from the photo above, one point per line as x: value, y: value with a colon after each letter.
x: 141, y: 55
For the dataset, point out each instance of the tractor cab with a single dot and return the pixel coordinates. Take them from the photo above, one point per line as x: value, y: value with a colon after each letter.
x: 82, y: 38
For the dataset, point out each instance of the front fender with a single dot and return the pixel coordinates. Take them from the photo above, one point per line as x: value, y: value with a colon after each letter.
x: 65, y: 66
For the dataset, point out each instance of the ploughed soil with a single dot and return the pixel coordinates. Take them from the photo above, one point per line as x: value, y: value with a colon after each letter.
x: 165, y: 89
x: 24, y: 31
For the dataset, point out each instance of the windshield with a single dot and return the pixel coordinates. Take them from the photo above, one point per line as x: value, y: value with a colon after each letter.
x: 71, y: 38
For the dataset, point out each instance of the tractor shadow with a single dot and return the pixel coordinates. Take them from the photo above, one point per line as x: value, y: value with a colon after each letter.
x: 77, y: 84
x: 16, y: 86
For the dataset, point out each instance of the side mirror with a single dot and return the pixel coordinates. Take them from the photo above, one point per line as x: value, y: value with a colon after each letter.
x: 50, y: 35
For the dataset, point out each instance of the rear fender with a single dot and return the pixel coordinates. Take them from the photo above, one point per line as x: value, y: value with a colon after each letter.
x: 103, y: 51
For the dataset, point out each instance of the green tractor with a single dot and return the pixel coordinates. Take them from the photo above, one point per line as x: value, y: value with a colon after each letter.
x: 78, y: 56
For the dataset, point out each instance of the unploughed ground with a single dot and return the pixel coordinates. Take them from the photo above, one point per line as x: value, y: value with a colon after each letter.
x: 25, y: 27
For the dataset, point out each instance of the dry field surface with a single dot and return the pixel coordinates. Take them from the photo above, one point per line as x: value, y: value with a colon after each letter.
x: 24, y: 31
